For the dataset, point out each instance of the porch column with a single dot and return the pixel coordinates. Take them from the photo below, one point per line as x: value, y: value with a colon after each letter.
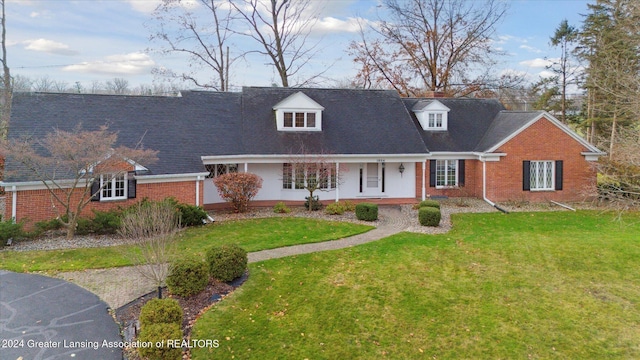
x: 14, y: 203
x: 198, y: 190
x: 424, y: 172
x: 246, y: 167
x: 337, y: 181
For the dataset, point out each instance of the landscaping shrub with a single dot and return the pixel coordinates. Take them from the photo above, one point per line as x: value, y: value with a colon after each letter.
x: 161, y: 311
x: 281, y: 208
x: 348, y: 205
x: 160, y: 333
x: 312, y: 203
x: 105, y: 222
x: 429, y: 216
x: 335, y: 208
x: 187, y: 276
x: 84, y: 226
x: 46, y: 225
x: 191, y: 215
x: 238, y: 189
x: 367, y: 211
x: 429, y: 203
x: 226, y: 262
x: 9, y: 230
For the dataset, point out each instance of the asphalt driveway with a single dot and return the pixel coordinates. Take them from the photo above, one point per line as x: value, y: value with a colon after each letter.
x: 47, y: 318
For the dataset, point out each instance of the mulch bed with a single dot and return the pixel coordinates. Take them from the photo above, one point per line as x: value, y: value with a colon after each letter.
x: 192, y: 307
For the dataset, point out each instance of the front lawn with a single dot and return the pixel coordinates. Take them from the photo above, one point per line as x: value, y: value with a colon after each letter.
x: 252, y: 235
x: 555, y: 285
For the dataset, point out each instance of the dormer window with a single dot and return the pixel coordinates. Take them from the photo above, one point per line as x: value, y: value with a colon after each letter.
x: 300, y: 120
x: 298, y: 112
x: 431, y: 114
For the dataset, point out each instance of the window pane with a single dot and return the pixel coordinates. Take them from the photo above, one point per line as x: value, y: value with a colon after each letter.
x: 221, y: 169
x: 107, y: 189
x: 233, y: 168
x: 288, y: 119
x: 311, y: 120
x: 441, y: 173
x: 438, y: 120
x: 300, y: 120
x: 119, y: 186
x: 451, y: 172
x: 541, y: 175
x: 432, y: 120
x: 299, y: 180
x: 287, y: 176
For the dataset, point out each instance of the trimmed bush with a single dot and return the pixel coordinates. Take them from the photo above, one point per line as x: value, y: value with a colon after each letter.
x: 429, y: 216
x: 312, y: 202
x: 238, y: 189
x: 429, y: 203
x: 226, y: 262
x: 155, y: 333
x: 191, y: 215
x: 367, y: 211
x: 161, y: 311
x: 348, y: 205
x: 9, y: 230
x: 335, y: 208
x: 106, y: 222
x: 187, y: 276
x: 281, y: 208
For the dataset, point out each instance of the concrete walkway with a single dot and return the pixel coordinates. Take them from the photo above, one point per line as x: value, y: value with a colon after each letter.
x: 119, y: 286
x: 390, y: 222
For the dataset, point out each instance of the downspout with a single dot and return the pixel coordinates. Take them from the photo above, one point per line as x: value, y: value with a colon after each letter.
x: 337, y: 181
x: 424, y: 172
x: 198, y: 190
x: 14, y: 203
x: 484, y: 187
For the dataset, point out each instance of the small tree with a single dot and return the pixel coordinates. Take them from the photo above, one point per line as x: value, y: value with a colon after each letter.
x: 69, y: 162
x: 238, y: 189
x: 151, y: 226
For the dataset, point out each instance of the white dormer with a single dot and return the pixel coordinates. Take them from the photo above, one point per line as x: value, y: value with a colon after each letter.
x: 431, y: 114
x: 298, y: 112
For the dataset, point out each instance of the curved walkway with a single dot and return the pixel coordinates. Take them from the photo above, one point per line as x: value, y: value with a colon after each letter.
x: 47, y: 318
x: 391, y: 221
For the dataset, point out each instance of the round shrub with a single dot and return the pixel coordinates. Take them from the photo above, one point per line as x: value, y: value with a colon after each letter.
x: 155, y: 333
x: 161, y: 311
x: 429, y: 203
x: 187, y: 277
x: 429, y: 216
x: 367, y: 212
x: 334, y: 208
x: 281, y: 208
x: 226, y: 262
x: 191, y: 215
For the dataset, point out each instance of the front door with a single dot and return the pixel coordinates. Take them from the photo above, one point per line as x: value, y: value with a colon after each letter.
x: 373, y: 179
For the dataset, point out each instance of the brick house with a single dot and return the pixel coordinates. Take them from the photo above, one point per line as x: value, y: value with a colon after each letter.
x: 383, y: 148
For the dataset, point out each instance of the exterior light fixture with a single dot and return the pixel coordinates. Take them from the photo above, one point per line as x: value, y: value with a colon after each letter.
x: 401, y: 169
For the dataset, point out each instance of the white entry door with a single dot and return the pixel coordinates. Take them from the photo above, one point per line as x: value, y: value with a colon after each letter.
x: 374, y: 178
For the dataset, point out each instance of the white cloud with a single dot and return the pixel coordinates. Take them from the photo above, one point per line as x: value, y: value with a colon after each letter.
x: 49, y: 46
x: 331, y: 24
x: 148, y: 6
x: 537, y: 63
x: 530, y: 49
x: 122, y: 64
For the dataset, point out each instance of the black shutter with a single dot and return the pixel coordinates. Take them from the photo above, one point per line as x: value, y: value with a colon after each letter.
x: 95, y: 190
x: 432, y: 173
x: 460, y: 172
x: 559, y: 175
x: 526, y: 175
x: 131, y: 185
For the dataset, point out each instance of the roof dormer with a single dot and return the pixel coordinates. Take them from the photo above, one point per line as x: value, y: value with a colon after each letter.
x: 431, y: 114
x: 298, y: 112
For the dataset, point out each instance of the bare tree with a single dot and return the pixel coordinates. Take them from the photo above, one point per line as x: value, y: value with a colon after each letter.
x: 204, y: 39
x: 431, y: 45
x: 281, y: 28
x: 7, y: 90
x: 118, y: 86
x: 151, y: 226
x: 70, y: 163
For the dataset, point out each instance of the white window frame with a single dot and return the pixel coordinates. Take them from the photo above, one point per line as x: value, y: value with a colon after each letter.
x: 546, y: 169
x: 296, y: 176
x: 440, y: 175
x: 216, y: 170
x: 436, y: 120
x: 305, y: 126
x: 109, y: 184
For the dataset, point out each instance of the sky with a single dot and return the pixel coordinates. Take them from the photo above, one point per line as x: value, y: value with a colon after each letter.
x: 87, y: 41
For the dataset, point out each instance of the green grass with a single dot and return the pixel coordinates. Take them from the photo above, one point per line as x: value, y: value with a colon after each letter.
x: 252, y: 235
x: 525, y: 285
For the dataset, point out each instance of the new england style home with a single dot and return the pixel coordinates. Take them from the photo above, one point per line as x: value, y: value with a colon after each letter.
x: 382, y: 148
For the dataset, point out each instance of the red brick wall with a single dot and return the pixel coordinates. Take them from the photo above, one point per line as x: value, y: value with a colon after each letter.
x: 541, y: 141
x: 37, y: 205
x: 472, y: 181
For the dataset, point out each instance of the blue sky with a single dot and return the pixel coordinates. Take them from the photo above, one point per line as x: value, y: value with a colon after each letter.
x: 91, y: 40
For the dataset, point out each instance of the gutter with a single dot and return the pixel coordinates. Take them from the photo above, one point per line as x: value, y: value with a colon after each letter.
x: 484, y: 187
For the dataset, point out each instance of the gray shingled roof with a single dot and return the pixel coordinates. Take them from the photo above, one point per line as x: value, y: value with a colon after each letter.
x: 468, y: 121
x: 505, y: 124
